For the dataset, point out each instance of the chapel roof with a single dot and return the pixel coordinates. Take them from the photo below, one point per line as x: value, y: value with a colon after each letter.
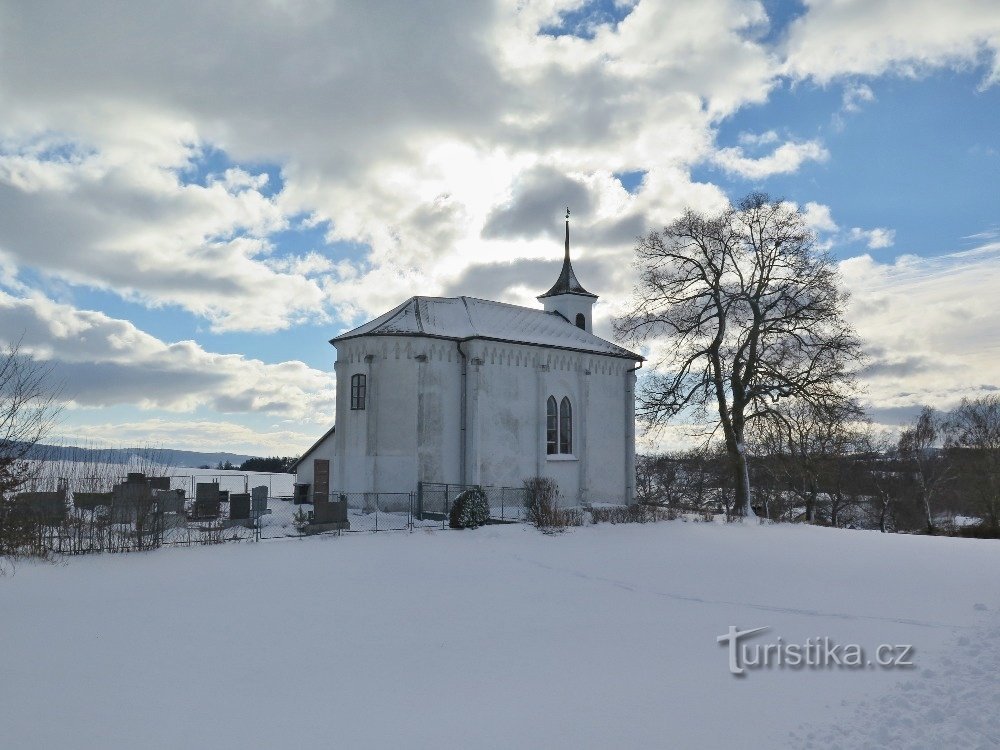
x: 462, y: 318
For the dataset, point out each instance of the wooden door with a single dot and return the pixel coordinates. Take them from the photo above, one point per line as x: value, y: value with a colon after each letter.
x: 321, y: 477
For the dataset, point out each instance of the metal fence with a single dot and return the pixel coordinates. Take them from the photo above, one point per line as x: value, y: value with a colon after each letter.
x: 434, y: 501
x: 65, y: 522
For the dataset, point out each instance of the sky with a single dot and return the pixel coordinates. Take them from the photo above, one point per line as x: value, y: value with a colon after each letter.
x: 195, y: 197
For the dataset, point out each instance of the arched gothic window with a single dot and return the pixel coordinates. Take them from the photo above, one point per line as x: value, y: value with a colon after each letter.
x: 551, y: 426
x: 358, y: 387
x: 565, y: 426
x: 558, y: 426
x: 581, y: 321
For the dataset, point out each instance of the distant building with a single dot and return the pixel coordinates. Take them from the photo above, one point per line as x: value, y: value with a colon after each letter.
x: 465, y: 390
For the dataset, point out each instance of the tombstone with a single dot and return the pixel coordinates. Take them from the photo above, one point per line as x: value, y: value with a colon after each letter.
x: 329, y: 515
x: 48, y: 507
x: 159, y: 483
x: 131, y: 499
x: 91, y: 500
x: 206, y: 500
x: 135, y: 477
x: 258, y: 501
x: 169, y: 501
x: 301, y: 494
x: 239, y: 507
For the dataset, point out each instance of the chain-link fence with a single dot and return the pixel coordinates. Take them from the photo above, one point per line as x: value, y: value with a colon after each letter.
x: 434, y: 501
x: 141, y: 512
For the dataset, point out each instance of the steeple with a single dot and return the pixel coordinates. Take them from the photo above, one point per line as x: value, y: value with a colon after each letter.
x: 567, y: 282
x: 567, y: 296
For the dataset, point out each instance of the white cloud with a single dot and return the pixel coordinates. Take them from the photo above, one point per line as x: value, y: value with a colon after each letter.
x: 785, y: 159
x: 103, y: 361
x: 856, y: 94
x: 194, y: 435
x: 837, y: 38
x: 408, y: 130
x: 818, y: 217
x: 875, y: 239
x: 930, y: 326
x: 758, y: 139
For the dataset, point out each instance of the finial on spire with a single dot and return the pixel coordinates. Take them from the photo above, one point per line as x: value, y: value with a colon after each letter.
x: 567, y: 234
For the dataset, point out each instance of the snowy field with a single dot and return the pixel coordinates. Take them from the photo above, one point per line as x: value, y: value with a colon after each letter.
x: 602, y: 637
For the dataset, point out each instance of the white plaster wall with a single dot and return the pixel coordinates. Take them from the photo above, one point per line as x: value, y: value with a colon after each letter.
x: 568, y: 305
x: 411, y: 428
x: 327, y: 450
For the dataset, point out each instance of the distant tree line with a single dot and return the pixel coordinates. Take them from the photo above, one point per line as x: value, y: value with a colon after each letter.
x: 272, y: 464
x: 942, y: 475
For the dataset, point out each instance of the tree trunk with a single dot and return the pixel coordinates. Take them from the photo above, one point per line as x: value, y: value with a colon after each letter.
x: 741, y: 477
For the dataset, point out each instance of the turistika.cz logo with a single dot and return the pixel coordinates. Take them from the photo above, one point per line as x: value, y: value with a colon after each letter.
x: 815, y: 653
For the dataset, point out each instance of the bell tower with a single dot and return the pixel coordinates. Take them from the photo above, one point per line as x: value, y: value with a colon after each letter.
x: 568, y: 297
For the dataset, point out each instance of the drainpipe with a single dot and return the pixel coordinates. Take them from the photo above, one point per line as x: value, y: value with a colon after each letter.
x: 462, y: 418
x: 630, y: 449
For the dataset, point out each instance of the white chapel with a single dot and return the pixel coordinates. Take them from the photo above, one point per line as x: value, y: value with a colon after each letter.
x: 470, y: 391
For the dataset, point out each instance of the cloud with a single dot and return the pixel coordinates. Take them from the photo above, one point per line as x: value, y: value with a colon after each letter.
x: 838, y: 38
x: 929, y: 326
x: 194, y: 435
x: 436, y: 141
x: 818, y: 217
x: 758, y: 139
x: 529, y: 213
x: 102, y: 361
x: 856, y: 94
x: 876, y: 238
x: 785, y: 159
x: 134, y: 228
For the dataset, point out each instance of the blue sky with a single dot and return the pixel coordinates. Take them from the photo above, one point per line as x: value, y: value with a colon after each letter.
x: 191, y: 207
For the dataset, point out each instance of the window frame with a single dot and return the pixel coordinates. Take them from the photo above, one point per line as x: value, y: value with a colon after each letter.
x: 359, y: 391
x: 551, y: 427
x: 566, y: 427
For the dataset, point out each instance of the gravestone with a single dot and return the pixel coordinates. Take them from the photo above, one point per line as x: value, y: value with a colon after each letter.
x: 329, y: 515
x: 169, y: 501
x: 131, y: 499
x: 206, y: 500
x: 91, y: 500
x: 48, y: 507
x: 239, y: 507
x: 258, y: 500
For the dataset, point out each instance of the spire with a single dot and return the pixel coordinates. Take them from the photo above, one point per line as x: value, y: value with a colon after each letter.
x: 567, y: 282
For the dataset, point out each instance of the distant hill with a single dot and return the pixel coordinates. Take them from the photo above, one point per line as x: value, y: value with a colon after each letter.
x: 166, y: 456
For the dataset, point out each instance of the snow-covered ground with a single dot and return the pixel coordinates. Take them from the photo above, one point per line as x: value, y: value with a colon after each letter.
x: 503, y: 637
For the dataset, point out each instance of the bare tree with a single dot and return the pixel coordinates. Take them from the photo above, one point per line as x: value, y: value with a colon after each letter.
x: 809, y: 447
x: 29, y: 408
x: 749, y: 311
x: 974, y: 442
x: 928, y: 466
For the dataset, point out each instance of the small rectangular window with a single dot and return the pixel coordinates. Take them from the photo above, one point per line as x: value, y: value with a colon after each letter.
x: 357, y: 392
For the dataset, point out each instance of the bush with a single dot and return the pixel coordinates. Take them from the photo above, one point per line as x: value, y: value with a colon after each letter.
x: 542, y: 503
x: 638, y: 513
x: 470, y: 510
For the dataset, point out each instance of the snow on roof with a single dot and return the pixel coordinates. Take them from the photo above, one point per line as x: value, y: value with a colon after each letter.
x: 471, y: 318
